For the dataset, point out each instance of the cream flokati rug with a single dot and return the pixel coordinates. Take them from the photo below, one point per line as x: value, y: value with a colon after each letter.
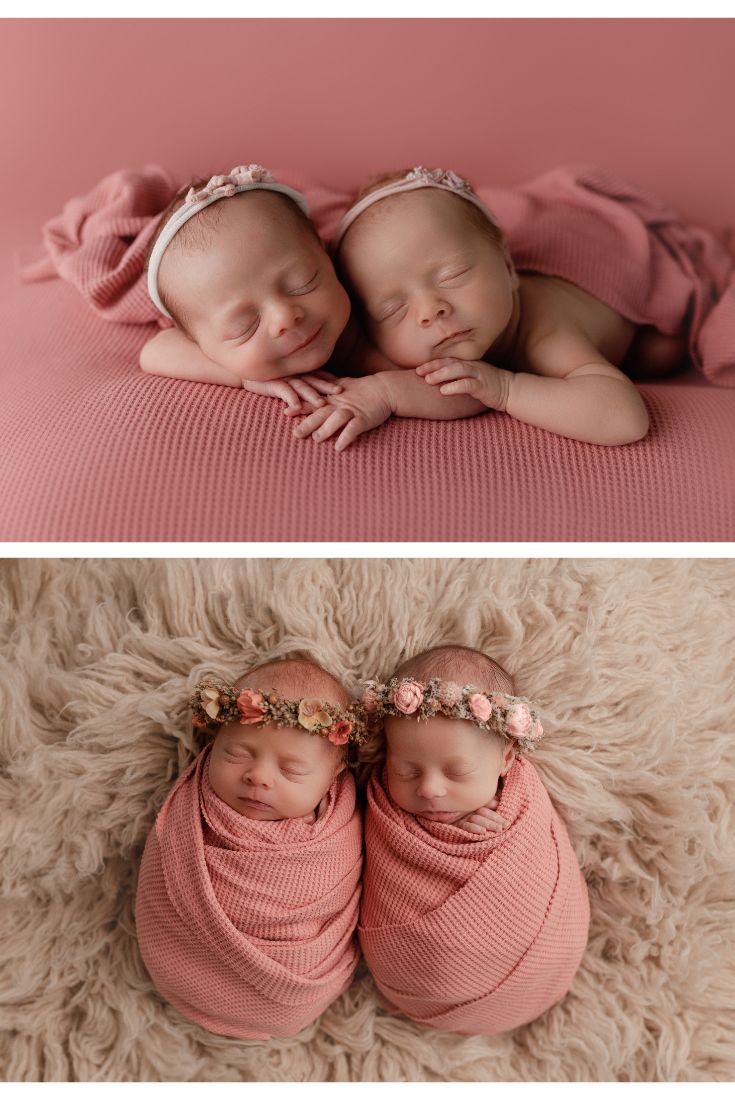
x: 633, y: 665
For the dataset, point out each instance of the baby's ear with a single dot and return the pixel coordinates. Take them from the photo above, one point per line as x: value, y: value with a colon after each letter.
x: 514, y: 280
x: 509, y: 756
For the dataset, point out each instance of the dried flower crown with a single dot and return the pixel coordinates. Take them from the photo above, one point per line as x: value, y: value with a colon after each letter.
x: 512, y: 716
x: 215, y: 703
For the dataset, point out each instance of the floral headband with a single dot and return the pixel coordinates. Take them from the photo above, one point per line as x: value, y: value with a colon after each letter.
x: 512, y: 716
x: 214, y: 703
x: 241, y: 178
x: 418, y: 177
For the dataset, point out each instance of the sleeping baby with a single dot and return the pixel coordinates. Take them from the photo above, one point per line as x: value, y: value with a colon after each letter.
x: 250, y: 881
x: 429, y: 266
x: 474, y: 914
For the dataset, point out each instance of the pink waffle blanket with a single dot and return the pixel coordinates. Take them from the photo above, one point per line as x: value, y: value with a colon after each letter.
x: 248, y: 927
x: 610, y: 238
x: 472, y: 936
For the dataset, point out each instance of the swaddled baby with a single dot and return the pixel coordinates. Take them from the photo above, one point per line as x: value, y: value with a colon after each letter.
x: 250, y: 881
x: 474, y: 914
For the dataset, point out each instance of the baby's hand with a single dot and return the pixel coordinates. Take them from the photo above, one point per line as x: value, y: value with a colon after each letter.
x: 484, y: 819
x: 483, y: 381
x: 363, y: 405
x: 300, y: 393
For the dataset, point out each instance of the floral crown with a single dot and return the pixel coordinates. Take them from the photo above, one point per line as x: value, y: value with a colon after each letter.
x: 512, y: 716
x: 215, y: 703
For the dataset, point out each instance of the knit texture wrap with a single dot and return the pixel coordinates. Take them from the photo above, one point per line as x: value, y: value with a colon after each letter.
x: 247, y: 927
x: 472, y: 936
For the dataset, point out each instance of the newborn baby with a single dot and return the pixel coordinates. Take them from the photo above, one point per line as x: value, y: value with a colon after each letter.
x: 250, y: 880
x: 474, y: 913
x: 253, y: 293
x: 438, y: 292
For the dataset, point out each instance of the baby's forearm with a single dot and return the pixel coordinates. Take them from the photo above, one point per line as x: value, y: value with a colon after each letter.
x: 409, y: 396
x: 597, y: 409
x: 171, y: 353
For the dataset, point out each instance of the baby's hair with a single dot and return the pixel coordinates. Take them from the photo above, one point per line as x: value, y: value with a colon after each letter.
x: 464, y: 665
x: 296, y: 675
x: 197, y: 233
x: 474, y: 215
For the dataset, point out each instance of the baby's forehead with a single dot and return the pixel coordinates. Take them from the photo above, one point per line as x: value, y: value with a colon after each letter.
x: 282, y: 740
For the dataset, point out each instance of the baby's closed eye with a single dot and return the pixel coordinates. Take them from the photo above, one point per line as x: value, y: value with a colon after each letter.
x: 452, y: 275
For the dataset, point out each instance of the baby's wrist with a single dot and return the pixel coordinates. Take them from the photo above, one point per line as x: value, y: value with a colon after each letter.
x: 503, y: 383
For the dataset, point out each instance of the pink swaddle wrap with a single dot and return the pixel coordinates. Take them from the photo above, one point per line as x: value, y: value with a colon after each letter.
x: 472, y: 936
x: 248, y: 927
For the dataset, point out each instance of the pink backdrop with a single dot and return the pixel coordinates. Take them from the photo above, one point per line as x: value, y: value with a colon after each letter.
x: 495, y: 99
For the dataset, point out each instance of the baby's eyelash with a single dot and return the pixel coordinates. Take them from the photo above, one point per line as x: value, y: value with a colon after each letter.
x: 304, y: 288
x: 453, y: 275
x: 246, y: 333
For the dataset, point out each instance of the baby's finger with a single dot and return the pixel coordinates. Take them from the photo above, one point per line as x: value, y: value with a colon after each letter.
x: 434, y: 365
x: 459, y: 386
x: 349, y: 434
x: 473, y: 828
x: 333, y: 424
x: 287, y: 394
x: 324, y: 382
x: 454, y: 370
x: 307, y: 392
x: 491, y: 819
x: 312, y: 422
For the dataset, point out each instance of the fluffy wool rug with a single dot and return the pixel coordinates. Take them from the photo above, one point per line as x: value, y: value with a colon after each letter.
x: 632, y: 663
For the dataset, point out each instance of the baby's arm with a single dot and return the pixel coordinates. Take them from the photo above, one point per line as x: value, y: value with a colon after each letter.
x: 367, y: 402
x: 573, y: 390
x: 171, y: 353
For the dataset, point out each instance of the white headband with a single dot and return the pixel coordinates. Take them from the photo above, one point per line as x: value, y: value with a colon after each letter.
x: 418, y: 177
x: 242, y: 178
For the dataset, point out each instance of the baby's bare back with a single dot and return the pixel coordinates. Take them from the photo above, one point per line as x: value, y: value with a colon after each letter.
x: 554, y: 306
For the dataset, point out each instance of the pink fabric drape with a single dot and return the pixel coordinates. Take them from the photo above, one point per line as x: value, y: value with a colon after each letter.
x: 248, y: 927
x: 471, y: 935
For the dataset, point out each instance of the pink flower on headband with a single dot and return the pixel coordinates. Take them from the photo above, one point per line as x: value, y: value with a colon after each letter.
x: 443, y: 177
x: 224, y: 186
x: 537, y: 731
x: 198, y: 721
x: 251, y: 706
x: 408, y: 696
x: 480, y: 707
x: 518, y: 721
x: 340, y: 732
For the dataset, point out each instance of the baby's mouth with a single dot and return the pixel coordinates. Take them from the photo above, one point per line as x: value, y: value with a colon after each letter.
x: 258, y: 805
x: 458, y: 335
x: 306, y: 343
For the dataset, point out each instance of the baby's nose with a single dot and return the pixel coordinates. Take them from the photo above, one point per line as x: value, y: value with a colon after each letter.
x: 431, y: 787
x: 433, y: 309
x: 285, y: 316
x: 259, y: 776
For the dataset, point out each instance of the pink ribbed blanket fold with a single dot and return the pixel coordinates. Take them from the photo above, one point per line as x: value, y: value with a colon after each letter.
x: 248, y: 927
x: 607, y: 236
x: 472, y: 936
